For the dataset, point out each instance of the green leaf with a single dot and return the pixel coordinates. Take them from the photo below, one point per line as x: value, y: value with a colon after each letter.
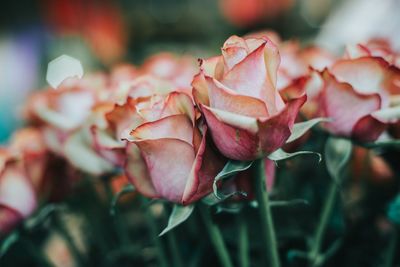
x: 127, y: 189
x: 231, y: 168
x: 337, y: 154
x: 299, y: 129
x: 41, y: 215
x: 178, y: 215
x: 280, y: 154
x: 394, y: 210
x: 8, y: 242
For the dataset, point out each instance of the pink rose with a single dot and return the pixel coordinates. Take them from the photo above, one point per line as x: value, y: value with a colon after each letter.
x: 169, y: 157
x: 237, y: 94
x: 355, y: 95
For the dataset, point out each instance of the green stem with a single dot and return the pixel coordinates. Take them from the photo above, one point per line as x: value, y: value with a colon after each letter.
x: 152, y: 224
x: 323, y: 223
x: 391, y: 250
x: 216, y: 237
x: 119, y: 226
x: 60, y: 227
x: 173, y: 245
x: 268, y: 231
x: 243, y: 242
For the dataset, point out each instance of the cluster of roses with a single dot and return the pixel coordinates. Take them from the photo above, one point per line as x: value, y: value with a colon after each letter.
x: 171, y: 126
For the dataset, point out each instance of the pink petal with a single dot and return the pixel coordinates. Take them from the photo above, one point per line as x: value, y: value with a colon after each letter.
x: 169, y: 162
x: 225, y: 99
x: 136, y: 172
x: 234, y: 141
x: 176, y: 126
x: 207, y: 165
x: 8, y: 220
x: 16, y: 191
x: 368, y: 129
x: 179, y: 103
x: 255, y: 76
x: 234, y: 50
x: 200, y: 90
x: 344, y: 105
x: 367, y: 75
x: 274, y: 131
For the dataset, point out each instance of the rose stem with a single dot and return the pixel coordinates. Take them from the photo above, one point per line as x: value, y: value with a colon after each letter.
x: 173, y: 245
x: 216, y: 237
x: 323, y: 222
x: 152, y: 224
x: 243, y: 241
x: 268, y: 231
x: 118, y: 225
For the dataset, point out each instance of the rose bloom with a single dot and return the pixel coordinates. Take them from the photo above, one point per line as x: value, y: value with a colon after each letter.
x: 355, y: 94
x: 168, y: 155
x: 22, y: 168
x: 237, y: 94
x: 381, y: 48
x: 63, y: 115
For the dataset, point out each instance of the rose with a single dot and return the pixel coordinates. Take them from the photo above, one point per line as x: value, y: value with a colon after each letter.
x: 237, y: 94
x: 355, y: 95
x: 169, y: 157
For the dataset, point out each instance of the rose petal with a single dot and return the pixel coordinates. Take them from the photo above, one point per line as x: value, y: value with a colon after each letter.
x: 136, y: 172
x: 8, y: 219
x: 368, y: 129
x: 207, y: 165
x: 179, y: 103
x: 16, y: 191
x: 234, y: 135
x: 225, y: 99
x: 344, y: 105
x: 274, y: 131
x: 176, y: 126
x: 255, y: 76
x: 169, y: 162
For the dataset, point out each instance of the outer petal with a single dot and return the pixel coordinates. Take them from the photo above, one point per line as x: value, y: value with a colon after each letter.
x: 123, y: 118
x: 200, y: 90
x: 274, y: 131
x: 368, y: 129
x: 80, y: 153
x: 8, y: 219
x: 206, y: 166
x: 136, y: 172
x: 255, y: 76
x: 209, y: 65
x: 234, y: 135
x: 176, y: 126
x: 16, y: 191
x: 369, y: 75
x: 179, y: 103
x: 169, y: 162
x: 344, y: 105
x: 225, y: 99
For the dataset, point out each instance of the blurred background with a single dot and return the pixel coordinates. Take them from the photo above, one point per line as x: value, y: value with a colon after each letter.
x: 101, y: 33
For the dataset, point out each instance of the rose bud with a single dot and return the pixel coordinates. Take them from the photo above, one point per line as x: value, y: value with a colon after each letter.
x: 169, y: 157
x: 245, y: 113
